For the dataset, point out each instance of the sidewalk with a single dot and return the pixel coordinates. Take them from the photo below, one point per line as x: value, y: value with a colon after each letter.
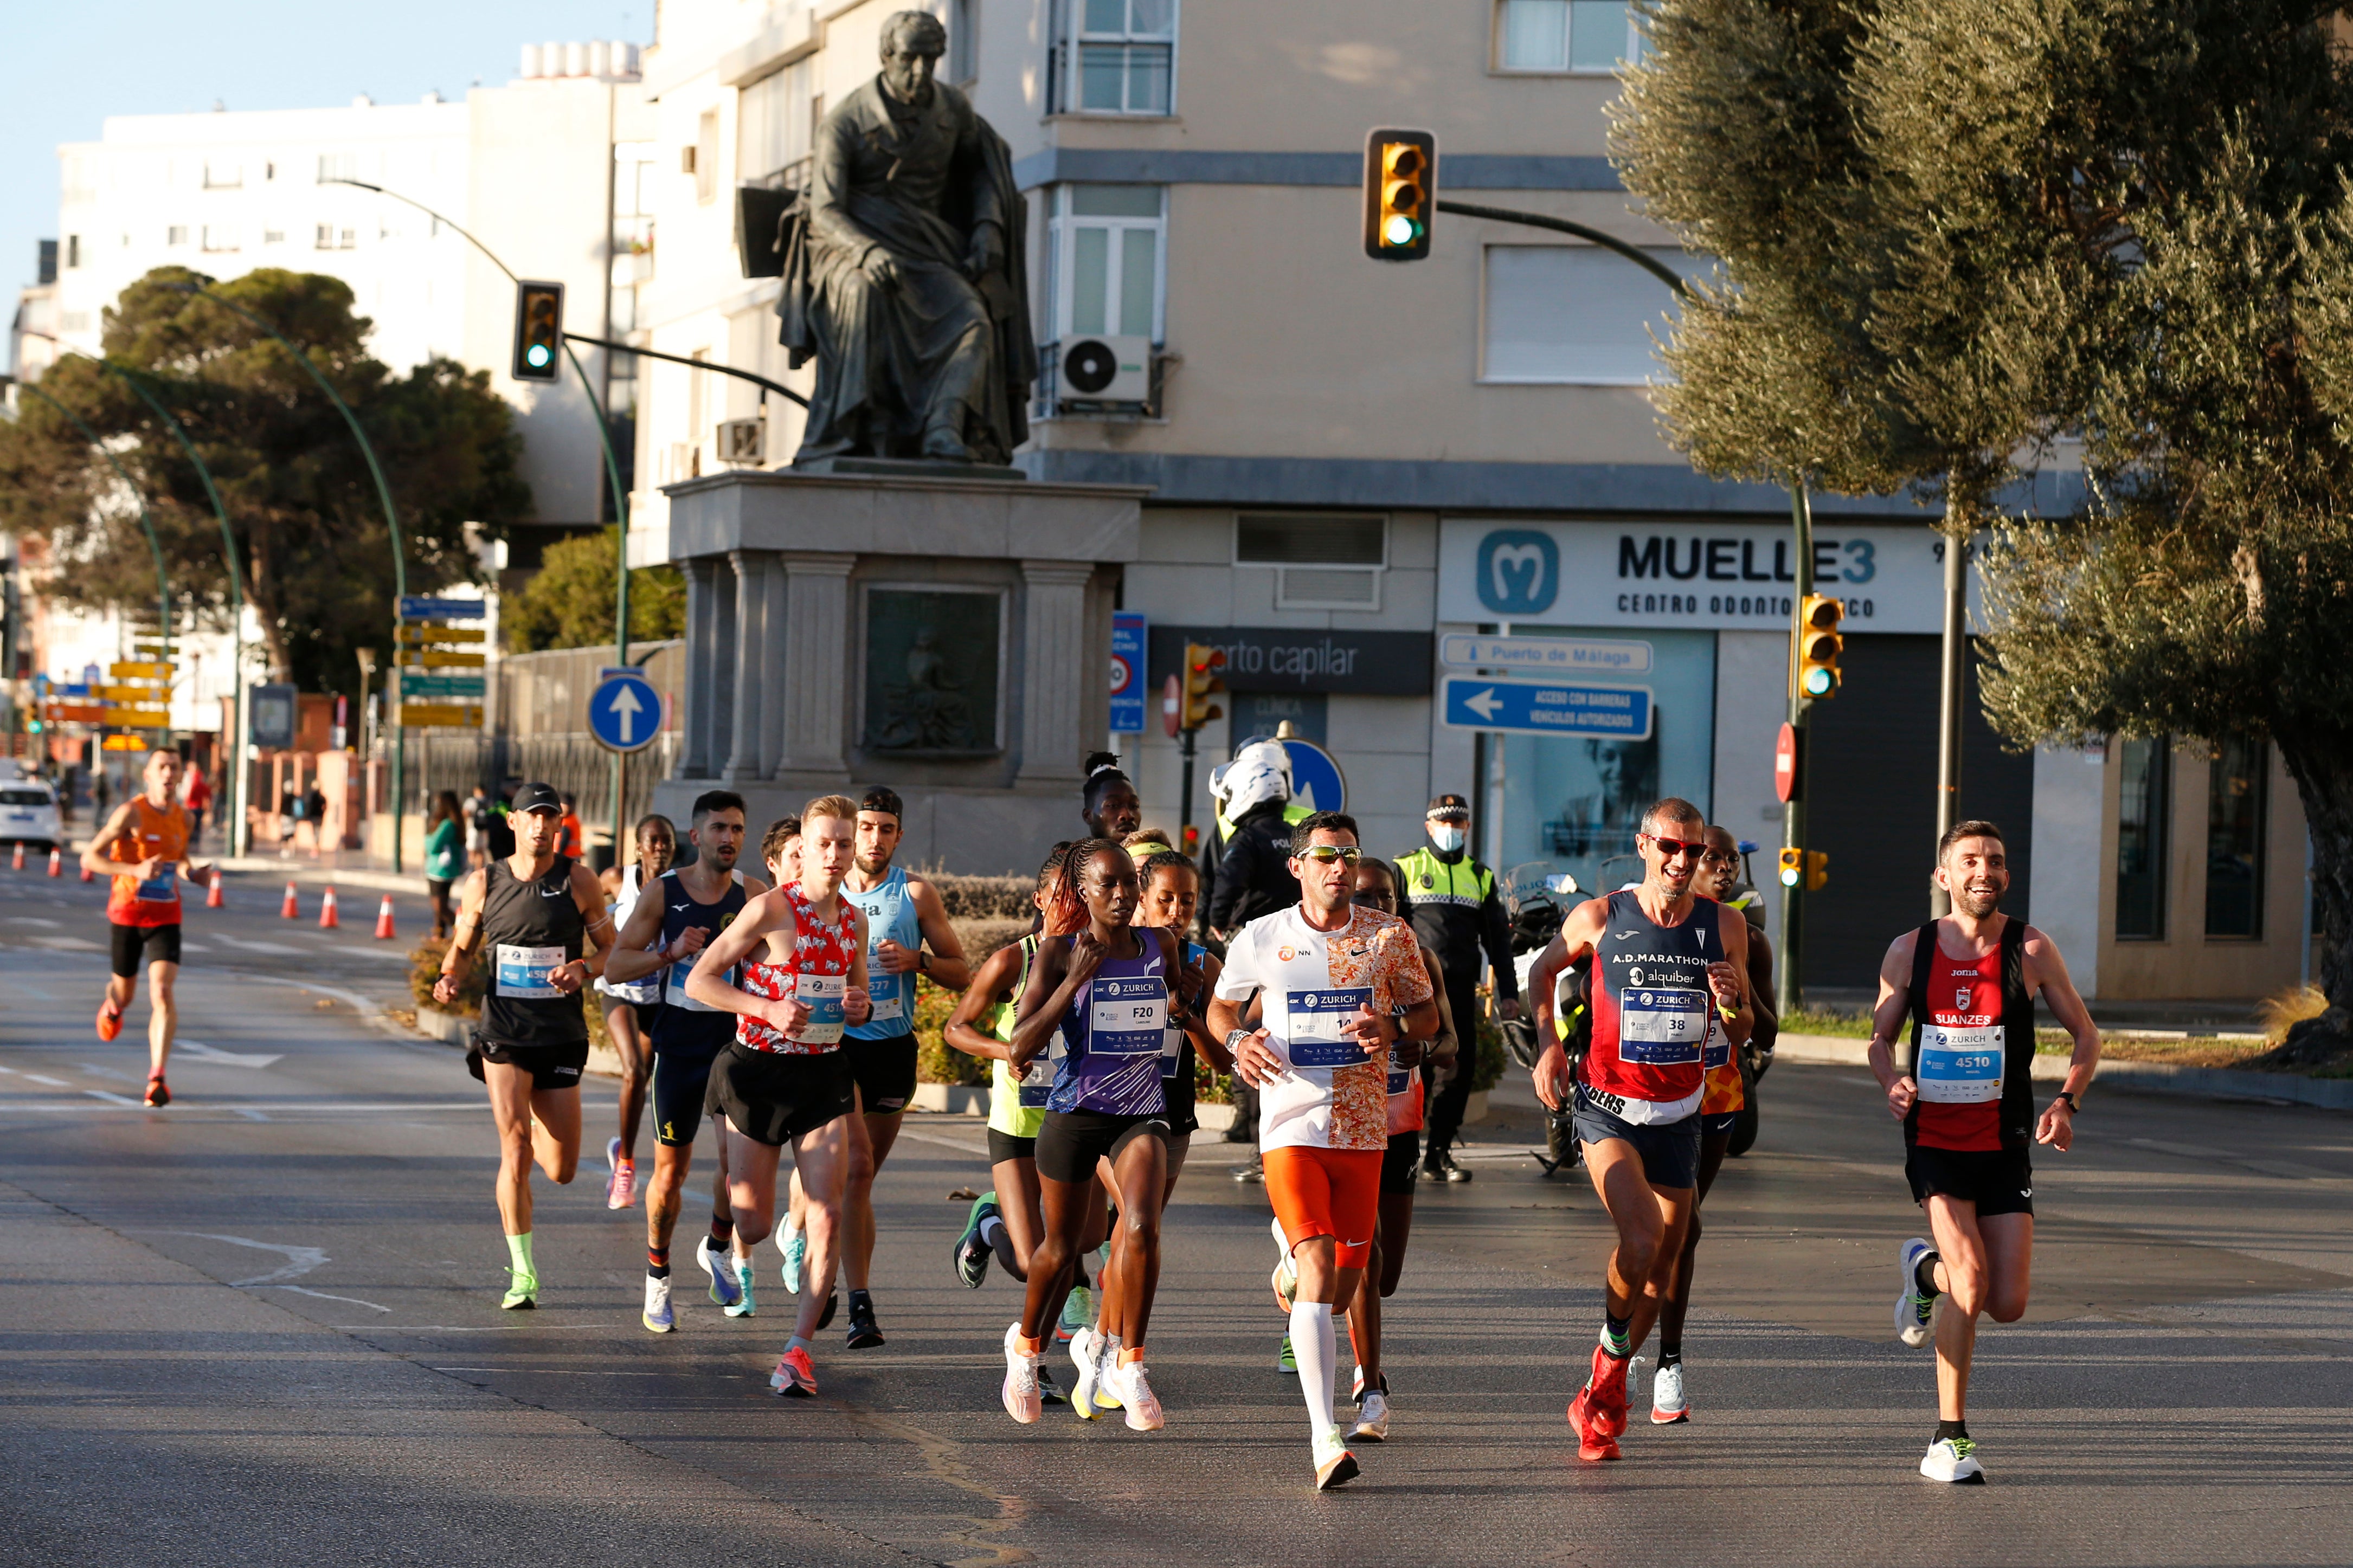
x: 344, y: 868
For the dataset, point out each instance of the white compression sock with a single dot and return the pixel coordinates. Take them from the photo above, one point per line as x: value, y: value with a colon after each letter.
x: 1312, y: 1347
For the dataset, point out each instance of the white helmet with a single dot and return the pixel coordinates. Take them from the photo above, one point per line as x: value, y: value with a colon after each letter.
x: 1261, y: 771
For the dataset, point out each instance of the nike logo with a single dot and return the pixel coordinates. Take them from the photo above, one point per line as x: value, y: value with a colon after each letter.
x: 2026, y: 1192
x: 553, y: 892
x: 681, y: 908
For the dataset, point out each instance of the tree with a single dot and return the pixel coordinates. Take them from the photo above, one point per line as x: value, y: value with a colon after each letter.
x: 316, y: 557
x: 1962, y: 239
x: 570, y: 603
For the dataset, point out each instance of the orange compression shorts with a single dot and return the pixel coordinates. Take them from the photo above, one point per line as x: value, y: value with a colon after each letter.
x: 1327, y: 1192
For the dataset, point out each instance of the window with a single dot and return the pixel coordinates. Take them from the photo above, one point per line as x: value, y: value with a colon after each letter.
x: 273, y: 237
x: 73, y: 250
x: 176, y: 233
x: 1104, y: 272
x: 2144, y: 807
x: 333, y: 238
x: 1122, y: 56
x: 1576, y: 314
x: 1564, y: 34
x: 2234, y: 838
x: 1322, y: 563
x: 338, y: 167
x: 773, y: 123
x: 220, y: 237
x: 224, y: 176
x: 963, y: 41
x: 703, y: 158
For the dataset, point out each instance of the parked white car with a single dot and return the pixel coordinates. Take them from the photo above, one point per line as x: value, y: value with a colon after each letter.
x: 29, y: 814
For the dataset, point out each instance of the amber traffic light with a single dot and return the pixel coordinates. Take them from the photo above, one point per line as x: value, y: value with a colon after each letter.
x: 1401, y: 193
x: 538, y: 331
x: 1819, y: 645
x: 1201, y: 683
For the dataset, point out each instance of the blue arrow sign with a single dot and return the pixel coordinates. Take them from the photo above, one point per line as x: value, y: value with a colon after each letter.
x: 625, y: 711
x: 1315, y: 781
x: 420, y: 608
x: 1128, y: 631
x: 1549, y: 708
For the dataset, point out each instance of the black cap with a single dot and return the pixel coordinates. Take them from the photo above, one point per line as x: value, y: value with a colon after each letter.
x: 1447, y: 806
x: 538, y: 797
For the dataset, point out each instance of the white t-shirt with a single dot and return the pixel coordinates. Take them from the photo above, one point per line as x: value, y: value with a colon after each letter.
x: 1332, y: 1095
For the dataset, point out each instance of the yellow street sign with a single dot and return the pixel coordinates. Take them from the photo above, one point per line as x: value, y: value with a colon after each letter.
x: 124, y: 743
x: 450, y: 660
x: 139, y: 717
x: 440, y: 715
x: 438, y: 632
x: 137, y: 696
x: 133, y: 669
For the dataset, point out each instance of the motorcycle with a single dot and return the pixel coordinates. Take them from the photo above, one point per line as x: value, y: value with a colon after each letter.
x: 1536, y: 900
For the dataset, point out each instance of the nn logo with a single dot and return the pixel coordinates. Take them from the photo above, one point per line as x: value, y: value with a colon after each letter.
x: 1519, y: 572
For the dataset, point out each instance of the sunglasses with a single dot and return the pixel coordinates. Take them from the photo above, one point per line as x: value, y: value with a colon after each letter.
x: 1670, y: 847
x: 1324, y: 853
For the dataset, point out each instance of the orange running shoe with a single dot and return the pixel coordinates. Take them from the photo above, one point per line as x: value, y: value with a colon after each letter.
x: 794, y: 1377
x: 110, y: 1019
x: 1608, y: 1386
x: 1593, y: 1444
x: 157, y: 1094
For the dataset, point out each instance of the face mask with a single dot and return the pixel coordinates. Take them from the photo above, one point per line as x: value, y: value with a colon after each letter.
x: 1447, y: 835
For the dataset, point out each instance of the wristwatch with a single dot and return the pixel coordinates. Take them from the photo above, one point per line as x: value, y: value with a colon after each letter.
x: 1234, y: 1037
x: 2074, y: 1106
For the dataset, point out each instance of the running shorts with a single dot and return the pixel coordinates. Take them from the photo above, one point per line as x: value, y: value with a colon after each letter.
x: 641, y: 1013
x: 1004, y: 1146
x: 1670, y: 1149
x: 1999, y: 1181
x: 1717, y: 1123
x: 885, y: 1071
x: 773, y: 1096
x: 137, y: 945
x: 1327, y: 1192
x: 1072, y: 1141
x: 550, y: 1067
x: 682, y: 1090
x: 1399, y: 1164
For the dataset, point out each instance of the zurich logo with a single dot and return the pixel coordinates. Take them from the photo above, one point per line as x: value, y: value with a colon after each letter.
x: 1519, y: 572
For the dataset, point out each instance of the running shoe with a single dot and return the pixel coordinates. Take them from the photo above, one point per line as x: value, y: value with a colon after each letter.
x: 522, y: 1292
x: 863, y: 1335
x: 1022, y: 1394
x: 1593, y: 1443
x: 971, y: 1257
x: 1285, y: 1361
x: 1372, y: 1417
x: 794, y: 1244
x: 1134, y: 1388
x: 1078, y: 1313
x: 1916, y: 1314
x: 621, y: 1185
x: 724, y: 1291
x: 1046, y: 1389
x: 1608, y: 1385
x: 659, y: 1318
x: 794, y: 1377
x: 1952, y: 1459
x: 1438, y: 1165
x: 1106, y: 1358
x: 1668, y: 1402
x: 110, y: 1020
x: 1252, y: 1169
x: 1333, y: 1463
x: 832, y: 1305
x: 1285, y: 1278
x: 743, y: 1306
x: 1086, y: 1354
x: 158, y: 1092
x: 1357, y: 1387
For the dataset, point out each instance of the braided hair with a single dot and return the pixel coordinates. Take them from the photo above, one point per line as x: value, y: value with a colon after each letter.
x: 1066, y: 912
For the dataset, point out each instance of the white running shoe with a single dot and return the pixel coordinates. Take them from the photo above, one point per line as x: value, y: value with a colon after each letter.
x: 743, y: 1306
x: 659, y: 1317
x: 1952, y: 1459
x: 1022, y: 1400
x: 1333, y: 1463
x: 726, y: 1290
x: 1285, y: 1278
x: 1135, y: 1391
x: 793, y: 1245
x: 1372, y: 1418
x: 1916, y: 1315
x: 1106, y: 1357
x: 1086, y: 1354
x: 1667, y: 1404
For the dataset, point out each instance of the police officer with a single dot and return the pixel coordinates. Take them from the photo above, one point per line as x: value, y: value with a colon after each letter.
x: 1458, y: 912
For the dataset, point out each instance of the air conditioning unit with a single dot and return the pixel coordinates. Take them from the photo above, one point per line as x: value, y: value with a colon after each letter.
x: 1107, y: 370
x: 743, y: 441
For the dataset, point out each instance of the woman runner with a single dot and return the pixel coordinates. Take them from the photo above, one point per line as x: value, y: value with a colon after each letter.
x: 630, y: 1008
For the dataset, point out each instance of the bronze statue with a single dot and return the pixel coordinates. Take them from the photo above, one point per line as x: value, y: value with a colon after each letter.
x: 903, y: 270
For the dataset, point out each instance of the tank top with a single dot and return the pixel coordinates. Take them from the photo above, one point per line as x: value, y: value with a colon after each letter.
x: 686, y: 1027
x: 890, y: 912
x: 1972, y: 1045
x: 1107, y: 1047
x: 1651, y: 1011
x: 818, y: 972
x: 1408, y: 1095
x: 530, y: 930
x: 1723, y: 1092
x: 643, y: 991
x: 1177, y: 1059
x: 1017, y: 1107
x: 152, y: 835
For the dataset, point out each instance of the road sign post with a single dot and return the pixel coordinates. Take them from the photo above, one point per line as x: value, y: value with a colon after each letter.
x: 1127, y: 642
x: 1546, y: 708
x: 625, y: 711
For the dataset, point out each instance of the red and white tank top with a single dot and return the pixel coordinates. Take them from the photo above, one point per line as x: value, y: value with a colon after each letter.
x: 1651, y: 1011
x: 818, y: 974
x: 1961, y: 1053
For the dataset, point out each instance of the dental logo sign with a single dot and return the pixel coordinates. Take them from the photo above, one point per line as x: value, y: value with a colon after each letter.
x: 1519, y: 572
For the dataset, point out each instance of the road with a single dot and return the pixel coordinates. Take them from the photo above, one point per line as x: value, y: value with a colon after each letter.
x: 261, y: 1326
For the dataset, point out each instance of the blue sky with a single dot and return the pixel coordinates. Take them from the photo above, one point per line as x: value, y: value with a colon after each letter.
x: 78, y: 63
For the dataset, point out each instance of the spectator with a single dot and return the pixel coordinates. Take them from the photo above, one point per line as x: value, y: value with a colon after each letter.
x: 1459, y: 914
x: 477, y: 826
x: 569, y: 844
x: 443, y: 856
x: 198, y: 800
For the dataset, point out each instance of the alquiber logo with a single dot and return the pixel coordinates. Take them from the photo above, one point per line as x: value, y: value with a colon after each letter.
x: 1519, y: 572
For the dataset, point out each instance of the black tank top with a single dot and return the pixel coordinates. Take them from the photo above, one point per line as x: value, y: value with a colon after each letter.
x: 529, y: 928
x: 685, y: 1028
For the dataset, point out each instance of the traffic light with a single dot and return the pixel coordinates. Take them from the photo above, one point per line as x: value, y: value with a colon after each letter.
x: 538, y: 331
x: 1819, y: 645
x: 1811, y: 866
x: 1793, y: 863
x: 1401, y: 193
x: 1201, y: 683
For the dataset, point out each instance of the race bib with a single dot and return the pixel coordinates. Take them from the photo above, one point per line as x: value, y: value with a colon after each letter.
x: 163, y: 888
x: 823, y: 993
x: 887, y: 990
x: 888, y: 1007
x: 1661, y: 1026
x: 1036, y: 1082
x: 1717, y: 1051
x: 674, y: 993
x: 1127, y: 1016
x: 1960, y: 1067
x: 1400, y: 1078
x: 1317, y: 1020
x: 522, y: 972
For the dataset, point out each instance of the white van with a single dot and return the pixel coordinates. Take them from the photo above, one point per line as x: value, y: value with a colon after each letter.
x: 29, y: 814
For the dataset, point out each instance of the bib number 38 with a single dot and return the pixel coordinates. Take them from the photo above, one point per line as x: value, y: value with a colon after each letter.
x: 1661, y: 1026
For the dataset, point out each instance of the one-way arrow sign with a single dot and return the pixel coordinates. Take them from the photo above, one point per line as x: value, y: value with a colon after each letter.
x: 625, y: 711
x: 1622, y: 712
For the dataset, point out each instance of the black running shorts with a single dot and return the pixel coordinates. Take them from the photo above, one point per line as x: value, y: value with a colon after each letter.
x: 773, y: 1096
x: 1999, y: 1181
x: 885, y: 1071
x: 136, y: 946
x: 1399, y: 1164
x: 550, y: 1067
x: 1072, y: 1141
x: 681, y: 1084
x: 1004, y: 1146
x: 1670, y: 1149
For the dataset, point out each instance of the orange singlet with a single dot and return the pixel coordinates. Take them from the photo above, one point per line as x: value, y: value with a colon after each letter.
x: 154, y: 835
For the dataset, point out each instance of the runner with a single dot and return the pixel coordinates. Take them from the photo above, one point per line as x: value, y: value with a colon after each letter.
x: 630, y: 1002
x: 532, y: 911
x: 784, y: 1078
x: 780, y: 852
x: 1108, y: 802
x: 1668, y: 968
x: 144, y: 852
x: 1720, y: 1105
x: 1338, y: 981
x: 1097, y: 1003
x: 680, y: 912
x: 907, y: 928
x: 1965, y: 1096
x: 1376, y: 888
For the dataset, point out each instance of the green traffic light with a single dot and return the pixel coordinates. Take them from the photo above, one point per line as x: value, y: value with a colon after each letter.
x: 539, y: 355
x: 1819, y: 682
x: 1400, y: 230
x: 1789, y: 876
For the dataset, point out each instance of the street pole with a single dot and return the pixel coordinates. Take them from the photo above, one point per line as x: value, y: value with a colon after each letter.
x: 1185, y: 792
x: 1948, y: 704
x: 1789, y: 985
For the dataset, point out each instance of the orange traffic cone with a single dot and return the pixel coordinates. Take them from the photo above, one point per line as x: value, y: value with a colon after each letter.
x: 84, y: 874
x: 213, y: 893
x: 20, y: 856
x: 290, y: 912
x: 327, y: 921
x: 383, y: 919
x: 56, y: 861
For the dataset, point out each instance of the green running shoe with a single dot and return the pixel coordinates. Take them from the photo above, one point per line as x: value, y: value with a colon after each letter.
x: 1285, y: 1361
x: 971, y: 1257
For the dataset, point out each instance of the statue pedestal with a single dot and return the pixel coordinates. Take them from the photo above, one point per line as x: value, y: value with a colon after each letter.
x: 935, y: 629
x: 904, y: 468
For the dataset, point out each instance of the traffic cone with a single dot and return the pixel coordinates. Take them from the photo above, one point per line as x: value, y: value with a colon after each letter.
x: 213, y: 893
x: 290, y: 912
x: 56, y: 861
x: 383, y: 919
x: 20, y: 857
x: 327, y: 921
x: 86, y: 874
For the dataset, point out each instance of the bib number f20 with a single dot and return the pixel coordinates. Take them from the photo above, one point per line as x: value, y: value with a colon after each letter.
x: 1661, y: 1026
x: 1126, y: 1017
x: 1959, y: 1067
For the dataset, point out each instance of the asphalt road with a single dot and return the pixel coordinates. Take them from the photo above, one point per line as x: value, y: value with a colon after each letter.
x: 261, y: 1326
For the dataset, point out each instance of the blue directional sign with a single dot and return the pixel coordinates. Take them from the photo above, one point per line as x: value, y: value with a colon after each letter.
x: 421, y: 607
x: 1622, y: 712
x: 1127, y: 633
x: 625, y: 711
x: 1315, y: 781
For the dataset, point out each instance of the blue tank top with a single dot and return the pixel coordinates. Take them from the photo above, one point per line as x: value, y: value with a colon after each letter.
x: 1107, y: 1047
x: 686, y: 1029
x: 889, y: 911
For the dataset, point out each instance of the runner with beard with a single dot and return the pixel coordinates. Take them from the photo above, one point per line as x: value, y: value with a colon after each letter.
x: 631, y: 1006
x: 143, y: 849
x: 1966, y: 984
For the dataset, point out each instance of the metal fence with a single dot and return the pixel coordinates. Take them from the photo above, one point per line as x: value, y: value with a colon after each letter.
x: 574, y: 764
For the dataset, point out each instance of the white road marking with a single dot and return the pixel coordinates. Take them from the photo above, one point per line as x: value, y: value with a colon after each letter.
x: 359, y: 1003
x: 276, y: 947
x: 299, y: 1260
x: 204, y: 1052
x: 322, y: 1296
x: 114, y: 1099
x: 10, y: 1072
x: 96, y: 1071
x: 31, y: 920
x: 68, y: 945
x: 52, y: 1082
x: 187, y: 946
x: 250, y: 1114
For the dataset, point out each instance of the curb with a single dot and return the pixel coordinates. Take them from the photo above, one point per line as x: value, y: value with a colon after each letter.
x: 2149, y: 1077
